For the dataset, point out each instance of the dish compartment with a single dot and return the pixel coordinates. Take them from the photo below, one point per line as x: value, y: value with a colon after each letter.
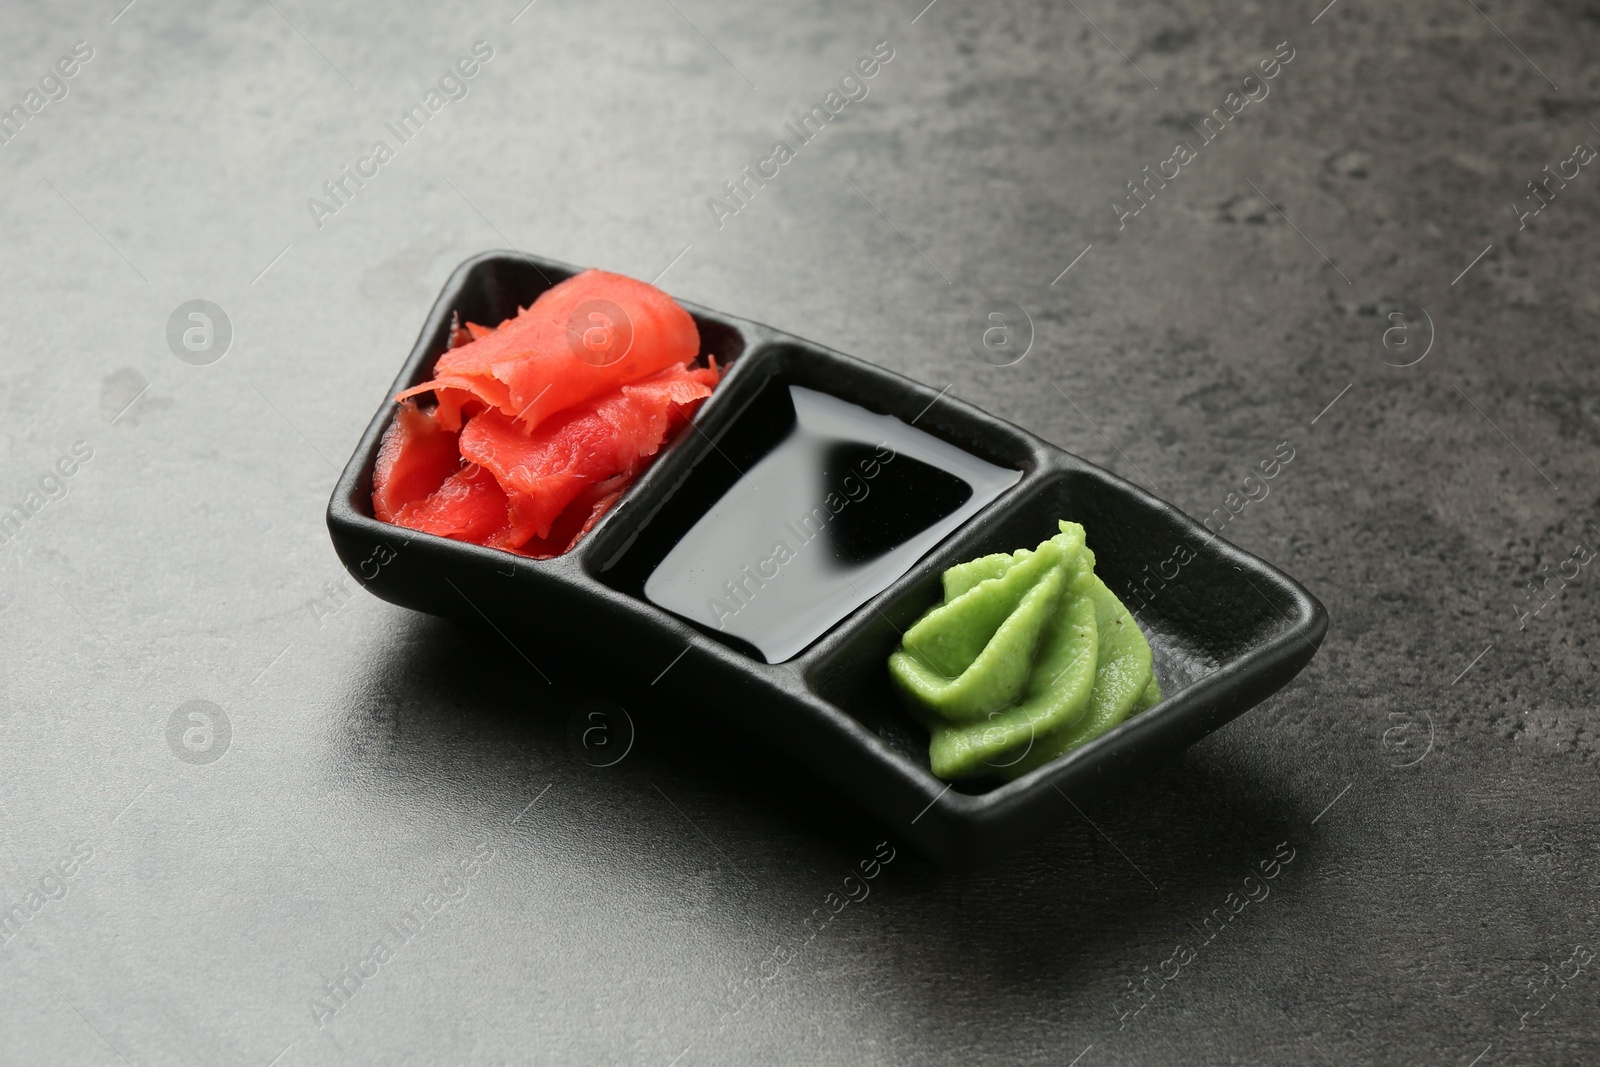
x: 1189, y: 591
x: 492, y: 287
x: 720, y: 473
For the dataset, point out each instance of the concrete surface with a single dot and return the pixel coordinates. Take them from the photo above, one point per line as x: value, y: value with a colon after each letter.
x: 1431, y: 777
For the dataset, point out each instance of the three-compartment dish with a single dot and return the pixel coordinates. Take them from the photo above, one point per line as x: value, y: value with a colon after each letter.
x: 790, y: 644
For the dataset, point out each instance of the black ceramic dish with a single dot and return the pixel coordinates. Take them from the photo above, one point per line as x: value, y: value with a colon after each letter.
x: 1227, y: 631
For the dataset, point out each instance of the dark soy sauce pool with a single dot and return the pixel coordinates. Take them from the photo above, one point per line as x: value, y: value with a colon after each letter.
x: 842, y: 505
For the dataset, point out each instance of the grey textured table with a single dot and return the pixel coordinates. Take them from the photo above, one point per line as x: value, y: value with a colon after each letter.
x: 1400, y: 851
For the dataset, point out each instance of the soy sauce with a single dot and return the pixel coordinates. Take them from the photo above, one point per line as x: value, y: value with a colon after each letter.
x: 831, y: 505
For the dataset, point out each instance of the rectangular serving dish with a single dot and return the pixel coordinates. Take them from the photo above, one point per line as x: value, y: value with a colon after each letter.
x: 1227, y: 632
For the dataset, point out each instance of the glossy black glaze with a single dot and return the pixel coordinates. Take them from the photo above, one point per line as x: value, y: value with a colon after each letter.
x: 1227, y: 632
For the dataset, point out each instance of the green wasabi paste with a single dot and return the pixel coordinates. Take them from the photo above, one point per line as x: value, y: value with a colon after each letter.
x: 1027, y: 657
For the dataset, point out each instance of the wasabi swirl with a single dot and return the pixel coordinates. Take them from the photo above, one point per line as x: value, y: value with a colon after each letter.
x: 1027, y: 657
